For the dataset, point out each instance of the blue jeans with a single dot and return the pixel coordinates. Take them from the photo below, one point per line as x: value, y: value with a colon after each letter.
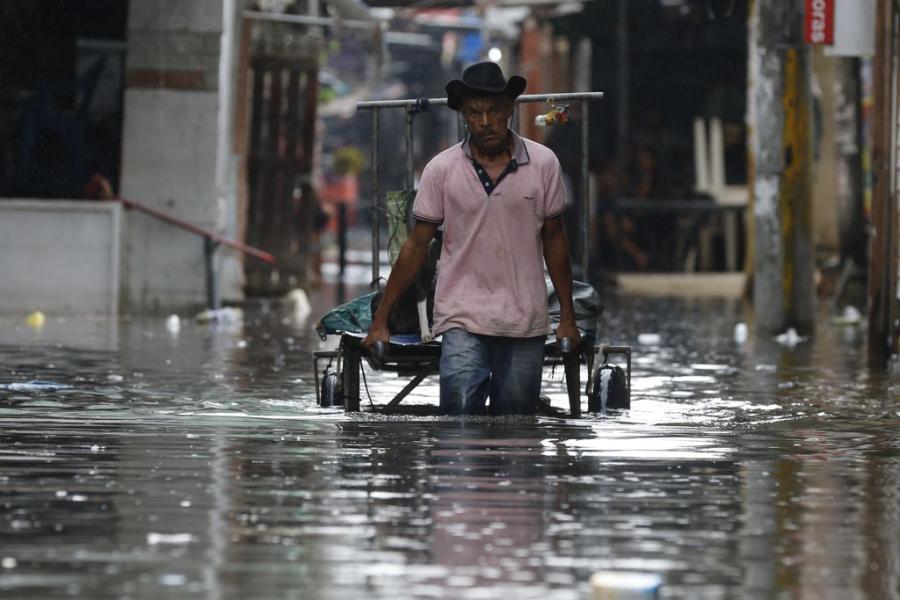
x: 475, y: 367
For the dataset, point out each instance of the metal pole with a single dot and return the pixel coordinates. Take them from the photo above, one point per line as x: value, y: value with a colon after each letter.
x: 882, y: 265
x: 201, y: 231
x: 410, y: 177
x: 410, y: 102
x: 342, y: 250
x: 585, y: 192
x: 376, y: 208
x: 622, y: 105
x: 311, y: 20
x: 212, y: 292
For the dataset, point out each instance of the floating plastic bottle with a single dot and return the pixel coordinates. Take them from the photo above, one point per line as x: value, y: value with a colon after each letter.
x: 173, y: 324
x: 225, y: 315
x: 618, y: 585
x: 33, y: 386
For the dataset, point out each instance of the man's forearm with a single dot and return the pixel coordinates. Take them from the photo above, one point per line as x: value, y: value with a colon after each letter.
x: 556, y: 255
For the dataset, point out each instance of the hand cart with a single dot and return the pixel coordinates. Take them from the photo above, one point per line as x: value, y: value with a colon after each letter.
x: 419, y: 360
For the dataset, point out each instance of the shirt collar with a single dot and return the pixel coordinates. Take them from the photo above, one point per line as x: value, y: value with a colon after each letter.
x: 519, y: 153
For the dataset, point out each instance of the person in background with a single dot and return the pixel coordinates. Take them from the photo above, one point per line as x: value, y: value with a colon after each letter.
x: 97, y: 187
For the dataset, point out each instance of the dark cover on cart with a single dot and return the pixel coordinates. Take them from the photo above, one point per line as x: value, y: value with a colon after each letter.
x: 351, y: 317
x: 587, y: 307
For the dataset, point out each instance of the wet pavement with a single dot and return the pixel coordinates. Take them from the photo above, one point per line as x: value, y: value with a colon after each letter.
x: 197, y: 465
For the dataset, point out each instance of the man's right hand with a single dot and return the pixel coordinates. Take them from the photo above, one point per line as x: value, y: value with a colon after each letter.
x: 408, y: 263
x: 378, y: 332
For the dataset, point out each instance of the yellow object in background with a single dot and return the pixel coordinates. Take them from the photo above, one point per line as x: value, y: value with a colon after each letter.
x: 36, y: 320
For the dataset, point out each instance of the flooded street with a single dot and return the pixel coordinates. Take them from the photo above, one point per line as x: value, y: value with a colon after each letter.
x: 197, y: 465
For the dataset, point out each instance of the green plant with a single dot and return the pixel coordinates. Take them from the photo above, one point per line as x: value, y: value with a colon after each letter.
x: 348, y: 160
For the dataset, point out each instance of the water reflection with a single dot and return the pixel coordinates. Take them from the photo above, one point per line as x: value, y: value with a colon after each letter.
x: 198, y: 465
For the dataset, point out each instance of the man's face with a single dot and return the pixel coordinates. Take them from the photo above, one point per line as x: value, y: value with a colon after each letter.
x: 486, y: 119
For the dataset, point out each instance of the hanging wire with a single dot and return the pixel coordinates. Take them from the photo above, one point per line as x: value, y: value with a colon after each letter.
x: 362, y: 369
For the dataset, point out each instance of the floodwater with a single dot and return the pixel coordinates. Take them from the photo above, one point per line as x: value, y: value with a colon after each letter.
x: 198, y: 465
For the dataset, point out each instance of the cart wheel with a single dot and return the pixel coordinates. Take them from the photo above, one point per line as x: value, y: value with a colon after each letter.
x: 330, y: 393
x: 609, y: 389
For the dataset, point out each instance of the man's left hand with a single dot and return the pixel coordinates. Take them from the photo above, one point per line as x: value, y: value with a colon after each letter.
x: 568, y: 329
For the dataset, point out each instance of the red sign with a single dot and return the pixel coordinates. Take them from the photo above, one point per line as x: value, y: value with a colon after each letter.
x: 819, y: 22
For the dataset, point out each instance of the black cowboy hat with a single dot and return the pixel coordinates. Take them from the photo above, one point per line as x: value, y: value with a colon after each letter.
x: 480, y: 80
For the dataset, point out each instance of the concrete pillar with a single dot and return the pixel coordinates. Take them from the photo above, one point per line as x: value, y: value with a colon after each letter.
x: 175, y: 148
x: 780, y: 139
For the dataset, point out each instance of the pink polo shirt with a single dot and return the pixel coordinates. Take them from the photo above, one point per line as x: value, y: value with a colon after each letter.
x: 491, y: 274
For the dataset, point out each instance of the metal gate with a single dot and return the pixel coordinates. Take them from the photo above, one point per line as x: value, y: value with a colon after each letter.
x: 281, y: 201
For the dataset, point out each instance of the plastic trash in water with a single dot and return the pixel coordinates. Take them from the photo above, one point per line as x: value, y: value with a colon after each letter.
x: 227, y: 315
x: 155, y: 539
x: 849, y: 316
x: 36, y: 320
x: 33, y: 386
x: 789, y: 338
x: 649, y: 339
x: 740, y: 333
x: 298, y: 303
x: 173, y: 324
x: 622, y: 585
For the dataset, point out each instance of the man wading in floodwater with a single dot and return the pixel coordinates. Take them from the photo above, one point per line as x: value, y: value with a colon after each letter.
x: 500, y: 198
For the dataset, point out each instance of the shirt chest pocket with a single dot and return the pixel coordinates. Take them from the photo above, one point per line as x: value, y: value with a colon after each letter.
x: 532, y: 202
x: 522, y: 209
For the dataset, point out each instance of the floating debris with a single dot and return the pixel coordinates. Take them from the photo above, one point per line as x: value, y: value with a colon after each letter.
x: 613, y: 585
x: 155, y: 539
x: 649, y: 339
x: 36, y: 320
x: 790, y: 338
x: 849, y: 316
x: 298, y: 303
x: 226, y: 315
x: 173, y: 324
x: 33, y: 386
